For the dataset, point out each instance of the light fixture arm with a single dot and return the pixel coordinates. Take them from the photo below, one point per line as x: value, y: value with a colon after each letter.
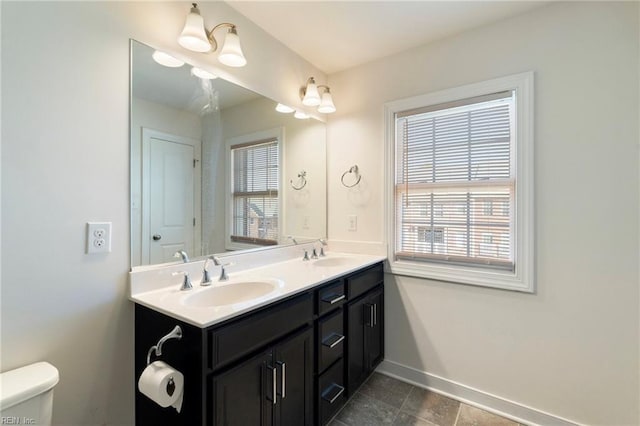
x: 211, y: 38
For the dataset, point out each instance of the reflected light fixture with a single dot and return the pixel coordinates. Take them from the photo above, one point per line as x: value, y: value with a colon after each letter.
x: 301, y: 115
x: 167, y: 60
x: 197, y: 38
x: 284, y: 109
x: 206, y: 75
x: 311, y: 96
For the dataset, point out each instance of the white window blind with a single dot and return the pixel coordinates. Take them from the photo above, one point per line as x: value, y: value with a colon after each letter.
x: 455, y: 182
x: 255, y: 192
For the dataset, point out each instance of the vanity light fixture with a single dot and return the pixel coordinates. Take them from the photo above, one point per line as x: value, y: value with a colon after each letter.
x: 311, y: 97
x: 167, y: 60
x: 205, y: 75
x: 284, y: 109
x: 197, y: 38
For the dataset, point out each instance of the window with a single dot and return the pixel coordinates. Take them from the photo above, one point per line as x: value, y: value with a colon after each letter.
x: 255, y: 176
x: 455, y: 156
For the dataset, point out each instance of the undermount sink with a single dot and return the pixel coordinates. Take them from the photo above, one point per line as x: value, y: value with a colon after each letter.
x: 332, y: 261
x: 229, y: 294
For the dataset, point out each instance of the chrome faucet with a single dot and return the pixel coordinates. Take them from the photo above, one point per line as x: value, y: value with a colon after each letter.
x: 306, y: 255
x: 182, y: 254
x: 223, y: 272
x: 186, y: 282
x: 314, y: 253
x: 324, y: 243
x: 206, y: 279
x: 290, y: 237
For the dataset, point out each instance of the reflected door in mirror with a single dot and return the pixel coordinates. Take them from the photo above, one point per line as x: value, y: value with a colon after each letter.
x: 168, y: 195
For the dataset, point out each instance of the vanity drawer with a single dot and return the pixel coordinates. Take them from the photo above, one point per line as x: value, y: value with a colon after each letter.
x: 239, y: 338
x: 331, y: 392
x: 361, y: 282
x: 330, y: 297
x: 331, y: 340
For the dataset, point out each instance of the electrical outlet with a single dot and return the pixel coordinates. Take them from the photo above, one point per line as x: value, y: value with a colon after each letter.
x: 353, y: 223
x: 98, y: 237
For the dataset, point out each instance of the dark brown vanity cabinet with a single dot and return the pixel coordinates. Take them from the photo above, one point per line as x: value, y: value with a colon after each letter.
x: 293, y: 362
x: 271, y: 388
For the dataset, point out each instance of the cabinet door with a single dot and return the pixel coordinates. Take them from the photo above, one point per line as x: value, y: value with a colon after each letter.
x: 356, y: 363
x: 374, y: 330
x: 365, y: 342
x: 244, y: 395
x: 294, y: 363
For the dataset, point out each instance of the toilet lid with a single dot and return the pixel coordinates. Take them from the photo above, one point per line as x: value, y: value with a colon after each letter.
x: 26, y: 382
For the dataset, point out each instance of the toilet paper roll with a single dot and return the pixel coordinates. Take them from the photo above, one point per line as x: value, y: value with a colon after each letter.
x: 162, y: 384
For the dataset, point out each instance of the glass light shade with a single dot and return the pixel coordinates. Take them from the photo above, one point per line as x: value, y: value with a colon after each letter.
x: 166, y: 59
x: 301, y: 115
x: 194, y: 36
x: 284, y: 109
x: 231, y: 52
x: 326, y: 106
x: 311, y: 94
x: 206, y: 75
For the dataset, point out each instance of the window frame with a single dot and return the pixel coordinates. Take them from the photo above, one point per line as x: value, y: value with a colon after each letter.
x: 522, y: 278
x: 277, y: 134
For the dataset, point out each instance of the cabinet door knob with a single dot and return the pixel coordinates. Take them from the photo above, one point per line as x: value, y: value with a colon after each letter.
x: 157, y: 237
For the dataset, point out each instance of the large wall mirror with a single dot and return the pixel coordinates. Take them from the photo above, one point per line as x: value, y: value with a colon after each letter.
x: 215, y: 168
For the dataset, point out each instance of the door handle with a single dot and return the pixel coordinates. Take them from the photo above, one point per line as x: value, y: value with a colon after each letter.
x: 274, y: 379
x: 283, y: 378
x: 157, y: 237
x: 371, y: 315
x: 375, y: 314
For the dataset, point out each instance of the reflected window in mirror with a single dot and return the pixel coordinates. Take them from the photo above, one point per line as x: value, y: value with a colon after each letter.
x: 255, y: 167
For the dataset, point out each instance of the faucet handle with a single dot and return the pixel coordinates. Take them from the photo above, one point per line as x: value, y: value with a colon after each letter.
x: 314, y: 254
x: 186, y: 282
x: 322, y: 252
x: 306, y: 255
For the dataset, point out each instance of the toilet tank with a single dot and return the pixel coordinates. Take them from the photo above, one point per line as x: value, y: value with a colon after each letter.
x: 26, y: 394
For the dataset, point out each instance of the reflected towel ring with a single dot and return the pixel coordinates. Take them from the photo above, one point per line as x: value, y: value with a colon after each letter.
x: 353, y: 169
x: 303, y: 181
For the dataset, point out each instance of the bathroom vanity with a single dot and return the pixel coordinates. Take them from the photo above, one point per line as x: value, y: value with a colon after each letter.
x: 293, y: 360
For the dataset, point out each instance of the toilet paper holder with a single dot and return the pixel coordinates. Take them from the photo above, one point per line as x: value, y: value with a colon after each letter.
x: 176, y: 333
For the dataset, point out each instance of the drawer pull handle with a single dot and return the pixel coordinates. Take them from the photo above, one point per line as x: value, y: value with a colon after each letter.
x: 331, y: 301
x: 330, y: 395
x: 332, y: 344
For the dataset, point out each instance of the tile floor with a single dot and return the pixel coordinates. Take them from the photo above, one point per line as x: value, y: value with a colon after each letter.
x: 383, y: 400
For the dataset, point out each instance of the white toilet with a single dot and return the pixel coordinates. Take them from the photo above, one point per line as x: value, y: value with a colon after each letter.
x: 26, y: 394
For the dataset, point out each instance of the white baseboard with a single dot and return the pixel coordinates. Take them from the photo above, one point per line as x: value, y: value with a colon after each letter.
x: 477, y: 398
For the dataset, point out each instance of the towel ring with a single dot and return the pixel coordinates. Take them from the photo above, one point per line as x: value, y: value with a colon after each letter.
x: 353, y: 169
x: 302, y: 179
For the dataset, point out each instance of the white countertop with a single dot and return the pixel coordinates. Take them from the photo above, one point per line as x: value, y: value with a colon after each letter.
x: 289, y: 277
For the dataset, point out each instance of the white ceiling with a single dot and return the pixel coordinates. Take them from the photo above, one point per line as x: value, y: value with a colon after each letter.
x: 337, y: 35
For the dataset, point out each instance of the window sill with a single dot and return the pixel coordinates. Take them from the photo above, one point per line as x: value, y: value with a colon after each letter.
x: 461, y: 275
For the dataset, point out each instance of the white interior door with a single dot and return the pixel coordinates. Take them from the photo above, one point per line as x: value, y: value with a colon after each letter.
x: 169, y: 220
